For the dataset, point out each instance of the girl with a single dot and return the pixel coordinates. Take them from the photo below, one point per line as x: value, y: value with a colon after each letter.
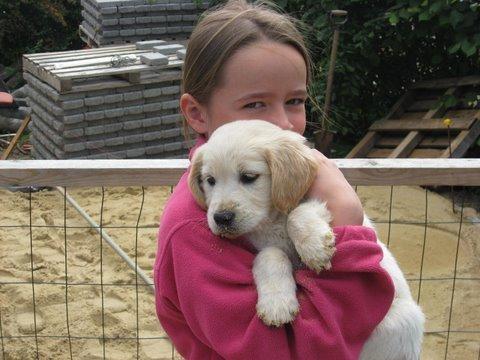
x: 249, y: 62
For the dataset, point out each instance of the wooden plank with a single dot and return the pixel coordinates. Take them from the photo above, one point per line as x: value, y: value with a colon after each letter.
x: 153, y: 172
x: 15, y: 139
x: 426, y: 153
x: 377, y: 153
x: 407, y: 145
x: 438, y: 141
x: 422, y: 105
x: 389, y: 141
x: 62, y: 62
x: 446, y: 83
x: 421, y: 125
x: 362, y: 148
x: 60, y: 54
x: 463, y: 141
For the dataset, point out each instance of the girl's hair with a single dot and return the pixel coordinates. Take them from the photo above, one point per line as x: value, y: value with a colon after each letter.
x: 224, y: 30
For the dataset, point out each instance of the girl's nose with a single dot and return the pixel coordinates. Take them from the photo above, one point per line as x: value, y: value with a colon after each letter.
x: 282, y: 120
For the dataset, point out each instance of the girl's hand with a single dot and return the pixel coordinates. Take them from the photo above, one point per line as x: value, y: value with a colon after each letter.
x: 331, y: 186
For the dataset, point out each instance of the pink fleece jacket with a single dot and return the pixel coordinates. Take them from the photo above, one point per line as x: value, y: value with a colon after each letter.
x: 205, y: 293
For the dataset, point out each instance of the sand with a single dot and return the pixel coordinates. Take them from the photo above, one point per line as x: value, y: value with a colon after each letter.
x: 406, y: 235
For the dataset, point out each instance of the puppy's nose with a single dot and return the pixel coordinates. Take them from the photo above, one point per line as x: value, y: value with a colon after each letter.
x: 224, y: 218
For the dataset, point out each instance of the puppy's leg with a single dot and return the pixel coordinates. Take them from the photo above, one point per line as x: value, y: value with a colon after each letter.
x: 308, y: 228
x: 277, y: 302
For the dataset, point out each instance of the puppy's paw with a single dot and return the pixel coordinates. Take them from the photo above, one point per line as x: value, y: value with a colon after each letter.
x: 277, y: 309
x: 308, y: 227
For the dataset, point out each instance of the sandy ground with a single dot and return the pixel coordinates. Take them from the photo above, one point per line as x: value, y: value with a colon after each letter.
x: 406, y: 235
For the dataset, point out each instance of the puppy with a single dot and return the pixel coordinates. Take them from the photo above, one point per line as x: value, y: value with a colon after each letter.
x: 251, y: 177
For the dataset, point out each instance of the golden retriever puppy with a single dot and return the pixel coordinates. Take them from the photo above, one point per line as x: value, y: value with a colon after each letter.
x: 251, y: 176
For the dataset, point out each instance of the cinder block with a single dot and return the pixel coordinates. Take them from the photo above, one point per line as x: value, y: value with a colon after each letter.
x: 95, y: 144
x: 127, y: 32
x: 182, y: 53
x: 126, y: 9
x: 132, y: 110
x: 174, y: 29
x: 159, y: 19
x: 143, y: 20
x: 108, y: 10
x: 156, y: 149
x: 146, y: 45
x: 171, y: 7
x: 170, y: 133
x: 110, y: 33
x: 153, y: 107
x: 114, y: 141
x: 113, y: 127
x: 174, y: 18
x: 109, y: 22
x: 171, y: 119
x: 158, y: 7
x: 154, y: 121
x: 168, y: 49
x: 142, y: 8
x: 74, y: 147
x: 159, y: 31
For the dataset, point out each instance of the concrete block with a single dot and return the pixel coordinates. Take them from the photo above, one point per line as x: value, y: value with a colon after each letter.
x: 171, y: 90
x: 174, y: 29
x: 113, y: 127
x: 143, y: 20
x: 171, y: 119
x: 130, y: 125
x: 173, y: 104
x: 142, y: 8
x: 158, y: 7
x: 127, y: 32
x: 160, y: 19
x: 94, y: 130
x: 109, y: 99
x: 181, y: 54
x: 148, y: 93
x: 174, y: 18
x: 153, y: 135
x: 114, y: 141
x: 154, y: 59
x: 156, y: 149
x: 143, y: 31
x: 136, y: 153
x: 168, y: 49
x: 126, y: 21
x: 173, y: 146
x: 126, y: 9
x: 94, y: 101
x: 109, y: 22
x: 170, y: 133
x: 186, y: 17
x: 132, y: 95
x: 113, y: 113
x: 95, y: 115
x: 146, y: 45
x: 95, y: 144
x: 73, y: 133
x: 132, y: 139
x: 159, y: 31
x: 153, y: 107
x: 73, y: 119
x: 154, y: 121
x: 74, y: 147
x: 171, y: 7
x: 132, y: 110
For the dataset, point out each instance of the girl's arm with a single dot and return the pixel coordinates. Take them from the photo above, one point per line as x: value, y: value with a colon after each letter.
x: 206, y: 299
x: 331, y: 186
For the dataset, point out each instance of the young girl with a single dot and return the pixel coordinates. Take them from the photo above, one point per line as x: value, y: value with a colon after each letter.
x: 249, y: 62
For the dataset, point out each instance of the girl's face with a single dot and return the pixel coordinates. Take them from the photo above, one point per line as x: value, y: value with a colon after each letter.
x: 265, y: 80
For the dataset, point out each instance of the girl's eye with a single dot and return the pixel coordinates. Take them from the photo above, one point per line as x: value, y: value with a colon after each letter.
x: 248, y: 178
x: 211, y: 180
x: 255, y: 105
x: 298, y: 101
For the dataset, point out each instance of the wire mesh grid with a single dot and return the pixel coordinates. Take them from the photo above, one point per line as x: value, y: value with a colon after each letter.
x: 65, y: 294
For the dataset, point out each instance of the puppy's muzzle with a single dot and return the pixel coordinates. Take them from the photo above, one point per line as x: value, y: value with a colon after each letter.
x: 224, y: 219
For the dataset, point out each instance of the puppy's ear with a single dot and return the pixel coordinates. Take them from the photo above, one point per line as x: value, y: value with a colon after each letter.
x: 195, y: 178
x: 293, y: 169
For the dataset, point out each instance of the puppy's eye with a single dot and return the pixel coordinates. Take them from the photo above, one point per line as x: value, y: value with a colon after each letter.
x: 211, y: 180
x: 248, y: 178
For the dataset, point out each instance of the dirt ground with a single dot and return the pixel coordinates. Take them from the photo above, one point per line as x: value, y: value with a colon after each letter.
x: 62, y: 241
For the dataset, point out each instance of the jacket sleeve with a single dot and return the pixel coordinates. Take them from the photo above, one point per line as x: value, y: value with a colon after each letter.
x: 215, y: 292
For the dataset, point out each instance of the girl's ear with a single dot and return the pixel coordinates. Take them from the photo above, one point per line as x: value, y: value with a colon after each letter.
x: 195, y: 178
x: 194, y: 113
x: 293, y: 169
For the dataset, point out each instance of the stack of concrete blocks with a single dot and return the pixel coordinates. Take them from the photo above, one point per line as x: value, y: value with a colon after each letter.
x: 107, y: 22
x: 118, y: 121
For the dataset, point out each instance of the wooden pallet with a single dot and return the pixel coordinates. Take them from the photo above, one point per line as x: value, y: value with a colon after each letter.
x: 62, y: 70
x: 415, y: 127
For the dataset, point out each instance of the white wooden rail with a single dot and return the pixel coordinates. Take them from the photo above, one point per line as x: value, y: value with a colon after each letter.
x: 149, y: 172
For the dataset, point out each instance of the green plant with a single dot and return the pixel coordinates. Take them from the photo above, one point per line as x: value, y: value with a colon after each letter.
x: 384, y: 47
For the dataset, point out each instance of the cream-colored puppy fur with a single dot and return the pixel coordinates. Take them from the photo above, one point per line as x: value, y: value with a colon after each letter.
x: 252, y: 177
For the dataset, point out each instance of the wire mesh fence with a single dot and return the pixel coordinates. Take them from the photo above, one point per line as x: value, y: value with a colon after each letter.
x: 66, y: 294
